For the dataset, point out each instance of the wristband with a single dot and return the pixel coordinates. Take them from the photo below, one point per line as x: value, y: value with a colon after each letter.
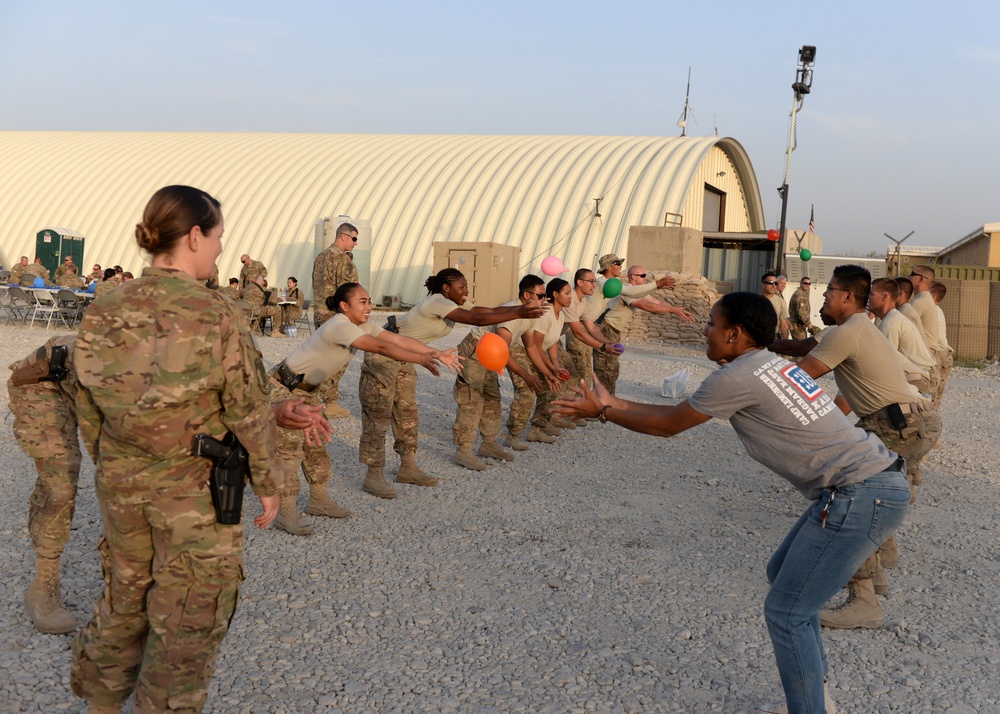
x: 601, y: 415
x: 604, y: 346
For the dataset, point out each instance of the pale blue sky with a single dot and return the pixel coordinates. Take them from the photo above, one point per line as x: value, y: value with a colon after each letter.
x: 899, y: 134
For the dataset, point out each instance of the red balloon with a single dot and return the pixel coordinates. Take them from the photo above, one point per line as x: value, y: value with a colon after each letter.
x: 773, y: 235
x: 492, y: 352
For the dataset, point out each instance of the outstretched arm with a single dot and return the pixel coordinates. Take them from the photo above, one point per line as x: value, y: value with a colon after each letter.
x: 655, y: 419
x: 659, y: 307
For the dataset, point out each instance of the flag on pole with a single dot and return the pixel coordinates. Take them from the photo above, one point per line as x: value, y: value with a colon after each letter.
x: 812, y: 215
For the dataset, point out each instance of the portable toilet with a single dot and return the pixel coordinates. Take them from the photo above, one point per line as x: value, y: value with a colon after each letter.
x: 52, y: 245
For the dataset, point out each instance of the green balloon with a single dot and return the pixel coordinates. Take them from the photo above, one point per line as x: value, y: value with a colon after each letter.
x: 612, y: 287
x: 805, y: 254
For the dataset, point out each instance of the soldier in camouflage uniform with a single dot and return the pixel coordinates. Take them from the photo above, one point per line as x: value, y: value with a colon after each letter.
x: 251, y: 268
x: 18, y: 270
x: 108, y: 284
x: 232, y: 291
x: 33, y: 271
x: 63, y: 267
x: 70, y: 279
x: 159, y: 361
x: 256, y: 295
x: 44, y: 407
x: 332, y: 268
x: 800, y: 311
x: 873, y: 386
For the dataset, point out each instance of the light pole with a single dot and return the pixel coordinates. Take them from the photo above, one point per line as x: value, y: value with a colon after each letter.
x: 899, y: 243
x: 801, y: 87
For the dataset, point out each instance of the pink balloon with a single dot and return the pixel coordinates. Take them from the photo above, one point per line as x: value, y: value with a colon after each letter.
x: 553, y: 266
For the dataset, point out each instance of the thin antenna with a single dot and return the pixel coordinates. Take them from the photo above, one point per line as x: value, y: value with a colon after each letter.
x: 683, y: 121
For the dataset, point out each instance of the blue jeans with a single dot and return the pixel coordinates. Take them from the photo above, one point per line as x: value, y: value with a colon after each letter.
x: 814, y: 563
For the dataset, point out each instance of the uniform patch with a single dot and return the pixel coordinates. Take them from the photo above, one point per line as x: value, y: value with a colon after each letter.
x: 801, y: 380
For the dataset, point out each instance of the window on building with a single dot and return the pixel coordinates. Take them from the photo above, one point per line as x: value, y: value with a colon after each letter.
x: 714, y: 213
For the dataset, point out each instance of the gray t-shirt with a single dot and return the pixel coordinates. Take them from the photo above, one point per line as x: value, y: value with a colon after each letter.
x: 789, y: 424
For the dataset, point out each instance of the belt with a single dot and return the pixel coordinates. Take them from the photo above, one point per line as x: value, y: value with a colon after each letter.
x: 284, y: 376
x: 910, y: 408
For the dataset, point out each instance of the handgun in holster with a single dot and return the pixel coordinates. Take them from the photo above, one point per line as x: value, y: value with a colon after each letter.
x: 57, y: 365
x: 391, y: 325
x: 896, y: 416
x: 287, y: 377
x: 230, y: 471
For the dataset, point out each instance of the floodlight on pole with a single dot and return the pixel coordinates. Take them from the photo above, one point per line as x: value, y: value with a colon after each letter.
x: 800, y: 88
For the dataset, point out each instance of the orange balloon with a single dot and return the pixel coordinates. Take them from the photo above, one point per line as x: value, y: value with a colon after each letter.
x: 492, y: 352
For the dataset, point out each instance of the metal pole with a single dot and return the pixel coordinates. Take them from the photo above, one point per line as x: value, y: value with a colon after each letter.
x: 780, y: 248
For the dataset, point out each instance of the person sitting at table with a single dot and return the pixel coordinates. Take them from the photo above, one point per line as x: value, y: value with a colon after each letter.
x: 70, y: 279
x: 127, y: 277
x: 96, y: 276
x: 232, y: 291
x: 294, y: 295
x: 259, y: 298
x: 108, y: 284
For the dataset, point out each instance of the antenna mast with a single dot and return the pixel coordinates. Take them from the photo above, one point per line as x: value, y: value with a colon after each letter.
x: 683, y: 121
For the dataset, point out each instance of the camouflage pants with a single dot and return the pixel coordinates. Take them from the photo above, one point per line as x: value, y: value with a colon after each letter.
x: 945, y: 363
x: 388, y: 393
x: 477, y: 394
x: 172, y: 578
x: 798, y: 331
x: 524, y: 398
x: 45, y: 428
x: 579, y: 354
x: 291, y: 449
x: 543, y: 400
x: 606, y: 365
x: 272, y: 311
x: 329, y: 391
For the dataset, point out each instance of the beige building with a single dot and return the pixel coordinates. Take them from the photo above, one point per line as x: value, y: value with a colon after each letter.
x: 979, y: 248
x: 539, y: 193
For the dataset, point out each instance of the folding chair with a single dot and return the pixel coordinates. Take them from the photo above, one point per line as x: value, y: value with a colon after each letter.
x: 46, y: 304
x: 305, y: 319
x: 20, y: 303
x: 70, y: 305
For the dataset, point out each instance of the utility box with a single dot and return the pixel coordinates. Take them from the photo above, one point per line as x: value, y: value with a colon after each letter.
x: 52, y: 245
x: 490, y: 268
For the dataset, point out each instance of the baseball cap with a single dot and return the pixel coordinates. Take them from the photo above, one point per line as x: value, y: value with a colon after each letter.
x: 607, y: 260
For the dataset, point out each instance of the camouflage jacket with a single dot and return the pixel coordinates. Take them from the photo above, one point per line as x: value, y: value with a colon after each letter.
x: 249, y: 271
x: 159, y: 361
x: 331, y: 269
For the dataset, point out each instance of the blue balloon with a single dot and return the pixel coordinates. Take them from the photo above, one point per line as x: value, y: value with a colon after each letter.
x: 39, y: 282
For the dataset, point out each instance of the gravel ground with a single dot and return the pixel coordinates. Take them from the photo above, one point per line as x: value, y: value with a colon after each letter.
x: 609, y: 572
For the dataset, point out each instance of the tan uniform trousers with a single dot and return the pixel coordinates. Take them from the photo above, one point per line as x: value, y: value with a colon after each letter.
x: 477, y: 394
x: 388, y: 393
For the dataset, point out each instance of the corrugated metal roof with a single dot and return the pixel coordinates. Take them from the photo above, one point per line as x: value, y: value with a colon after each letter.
x: 533, y: 191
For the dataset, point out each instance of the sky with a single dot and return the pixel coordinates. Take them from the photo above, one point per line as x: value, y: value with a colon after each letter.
x: 900, y: 133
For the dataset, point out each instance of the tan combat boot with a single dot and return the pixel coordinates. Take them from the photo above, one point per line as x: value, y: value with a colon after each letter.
x: 888, y: 554
x: 410, y: 473
x: 514, y: 442
x: 320, y: 503
x: 335, y: 411
x: 376, y: 484
x: 289, y: 519
x: 562, y: 423
x: 880, y: 582
x: 551, y: 429
x: 861, y: 609
x: 491, y: 449
x: 44, y: 601
x: 540, y: 436
x: 464, y: 456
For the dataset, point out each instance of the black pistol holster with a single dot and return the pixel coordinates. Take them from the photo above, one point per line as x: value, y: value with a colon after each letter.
x: 390, y: 324
x: 287, y: 377
x: 230, y: 471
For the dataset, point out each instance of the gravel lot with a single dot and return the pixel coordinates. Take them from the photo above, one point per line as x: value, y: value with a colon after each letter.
x: 609, y: 572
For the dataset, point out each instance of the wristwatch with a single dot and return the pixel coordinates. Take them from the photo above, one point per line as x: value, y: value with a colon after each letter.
x: 601, y: 416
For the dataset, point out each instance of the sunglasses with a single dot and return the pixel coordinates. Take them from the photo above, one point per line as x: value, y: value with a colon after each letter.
x: 353, y: 238
x: 770, y: 282
x: 638, y: 275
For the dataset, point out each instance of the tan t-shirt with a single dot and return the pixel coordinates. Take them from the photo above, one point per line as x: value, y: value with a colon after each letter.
x: 779, y: 305
x: 426, y: 320
x: 550, y: 326
x: 903, y: 336
x: 942, y: 330
x: 598, y: 303
x: 619, y: 312
x: 865, y: 366
x: 924, y: 306
x: 516, y: 327
x: 328, y: 348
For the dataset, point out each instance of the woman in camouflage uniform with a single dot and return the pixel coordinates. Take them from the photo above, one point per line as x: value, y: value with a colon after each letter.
x: 159, y: 361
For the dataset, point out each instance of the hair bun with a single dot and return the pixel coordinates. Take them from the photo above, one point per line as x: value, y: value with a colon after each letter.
x: 147, y: 236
